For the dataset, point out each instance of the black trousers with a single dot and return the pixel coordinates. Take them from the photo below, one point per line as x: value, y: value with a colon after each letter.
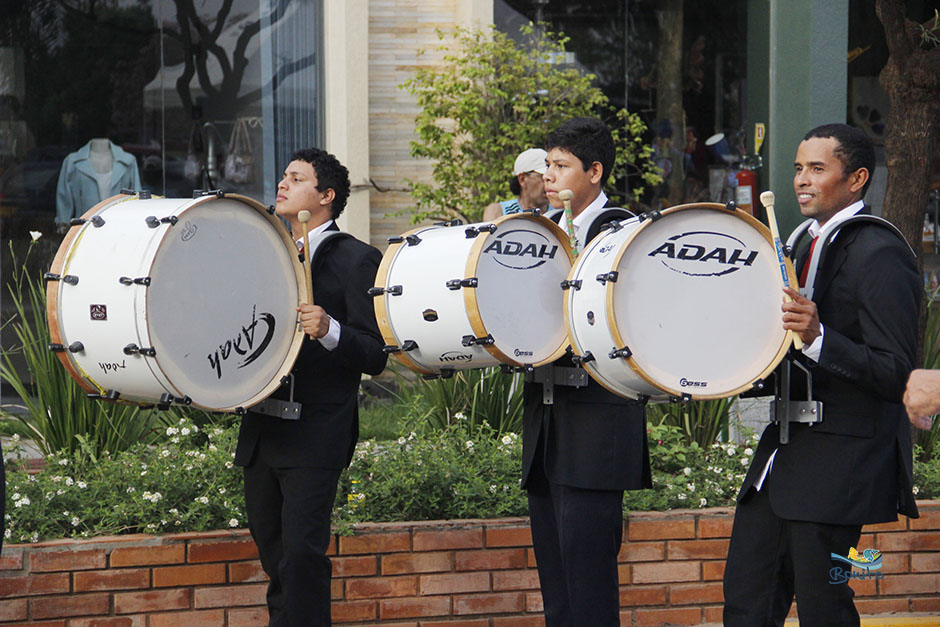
x: 576, y: 534
x: 289, y: 518
x: 771, y: 559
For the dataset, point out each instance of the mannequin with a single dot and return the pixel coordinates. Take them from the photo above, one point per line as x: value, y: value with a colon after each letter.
x: 99, y: 153
x: 98, y: 170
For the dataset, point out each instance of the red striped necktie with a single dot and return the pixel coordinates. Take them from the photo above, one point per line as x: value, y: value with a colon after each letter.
x: 805, y: 269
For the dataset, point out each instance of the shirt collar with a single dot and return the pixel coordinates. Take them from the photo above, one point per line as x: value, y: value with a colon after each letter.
x: 591, y: 211
x: 316, y: 231
x: 841, y: 216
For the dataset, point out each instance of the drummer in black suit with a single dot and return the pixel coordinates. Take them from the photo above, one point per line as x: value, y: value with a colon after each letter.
x: 292, y: 466
x: 582, y: 446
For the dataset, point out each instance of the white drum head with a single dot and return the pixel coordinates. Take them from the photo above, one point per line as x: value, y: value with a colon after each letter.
x: 697, y: 302
x: 221, y: 308
x: 520, y: 268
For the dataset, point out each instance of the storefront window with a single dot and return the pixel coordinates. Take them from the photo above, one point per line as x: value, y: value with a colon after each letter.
x: 167, y: 96
x: 620, y: 42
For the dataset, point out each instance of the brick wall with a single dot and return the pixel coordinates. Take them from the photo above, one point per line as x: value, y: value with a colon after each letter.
x: 477, y: 573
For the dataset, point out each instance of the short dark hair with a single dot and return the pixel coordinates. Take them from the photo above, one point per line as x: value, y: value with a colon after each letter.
x: 589, y: 140
x: 331, y: 174
x: 855, y: 150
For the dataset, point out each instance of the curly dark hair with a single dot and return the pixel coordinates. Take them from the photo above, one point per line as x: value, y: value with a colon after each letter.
x: 589, y: 140
x: 855, y: 150
x: 331, y: 174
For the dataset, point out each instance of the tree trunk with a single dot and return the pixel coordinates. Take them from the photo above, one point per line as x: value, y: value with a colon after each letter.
x: 911, y: 79
x: 669, y: 91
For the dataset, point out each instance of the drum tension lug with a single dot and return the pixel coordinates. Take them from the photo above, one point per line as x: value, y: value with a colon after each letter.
x: 97, y: 221
x: 71, y: 279
x: 394, y: 290
x: 624, y: 352
x: 396, y: 239
x: 469, y: 340
x: 473, y: 231
x: 577, y: 360
x: 448, y: 223
x: 456, y: 284
x: 758, y: 384
x: 651, y: 215
x: 787, y: 250
x: 413, y: 240
x: 686, y: 399
x: 199, y: 193
x: 144, y: 194
x: 110, y: 395
x: 408, y: 345
x: 125, y: 280
x: 573, y: 284
x: 506, y: 369
x: 76, y: 347
x: 609, y: 276
x: 133, y: 349
x: 271, y: 210
x: 56, y: 348
x: 731, y: 205
x: 127, y: 191
x: 612, y: 226
x: 240, y: 411
x: 447, y: 373
x: 153, y: 221
x: 390, y: 348
x: 643, y: 399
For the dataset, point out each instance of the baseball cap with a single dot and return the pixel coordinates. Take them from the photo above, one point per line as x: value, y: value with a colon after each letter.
x: 531, y: 160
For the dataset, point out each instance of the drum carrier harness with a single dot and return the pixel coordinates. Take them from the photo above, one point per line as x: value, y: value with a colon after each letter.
x: 783, y: 410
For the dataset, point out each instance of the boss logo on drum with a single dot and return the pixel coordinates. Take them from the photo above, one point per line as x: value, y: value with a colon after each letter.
x: 704, y: 253
x: 521, y: 249
x: 452, y: 356
x: 519, y: 353
x: 247, y: 339
x: 685, y: 383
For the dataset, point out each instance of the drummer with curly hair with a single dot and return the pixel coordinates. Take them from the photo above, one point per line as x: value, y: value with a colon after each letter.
x: 292, y: 467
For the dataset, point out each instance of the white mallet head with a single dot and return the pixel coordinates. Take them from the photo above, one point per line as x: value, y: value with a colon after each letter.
x: 767, y: 199
x: 303, y: 216
x: 566, y: 194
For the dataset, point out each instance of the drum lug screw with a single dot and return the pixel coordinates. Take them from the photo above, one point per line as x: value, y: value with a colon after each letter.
x: 144, y: 280
x: 582, y: 359
x: 413, y: 240
x: 152, y: 221
x: 574, y: 284
x: 731, y: 205
x: 56, y: 348
x: 76, y: 347
x: 389, y: 348
x: 71, y: 279
x: 609, y: 276
x: 396, y: 239
x: 408, y: 345
x: 624, y: 352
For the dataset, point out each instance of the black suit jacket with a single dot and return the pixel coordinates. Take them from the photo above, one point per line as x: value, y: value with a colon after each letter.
x: 326, y: 383
x: 591, y: 437
x: 855, y: 467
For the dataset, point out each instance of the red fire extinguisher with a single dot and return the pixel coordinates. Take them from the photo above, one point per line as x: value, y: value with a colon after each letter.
x: 746, y: 191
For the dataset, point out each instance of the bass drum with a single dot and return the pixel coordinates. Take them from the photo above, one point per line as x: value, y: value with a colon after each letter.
x: 459, y: 297
x: 154, y: 301
x: 680, y: 304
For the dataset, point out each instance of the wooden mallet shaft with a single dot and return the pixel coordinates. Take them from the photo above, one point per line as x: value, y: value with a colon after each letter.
x: 767, y: 199
x: 304, y: 217
x: 566, y: 195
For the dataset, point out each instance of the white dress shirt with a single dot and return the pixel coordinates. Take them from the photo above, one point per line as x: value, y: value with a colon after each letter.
x: 331, y: 339
x: 583, y: 220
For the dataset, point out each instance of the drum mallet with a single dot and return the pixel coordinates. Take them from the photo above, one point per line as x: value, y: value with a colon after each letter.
x: 304, y: 217
x: 566, y: 195
x: 767, y: 199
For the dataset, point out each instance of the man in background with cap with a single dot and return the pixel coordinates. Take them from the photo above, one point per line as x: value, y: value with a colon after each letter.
x: 526, y: 184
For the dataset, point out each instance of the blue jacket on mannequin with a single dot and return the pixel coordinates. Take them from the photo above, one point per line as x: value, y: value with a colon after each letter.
x: 77, y: 190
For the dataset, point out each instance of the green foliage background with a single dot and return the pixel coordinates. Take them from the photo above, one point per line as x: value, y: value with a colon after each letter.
x: 493, y: 98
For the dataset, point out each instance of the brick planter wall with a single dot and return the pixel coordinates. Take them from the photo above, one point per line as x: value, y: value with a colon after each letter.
x: 475, y: 573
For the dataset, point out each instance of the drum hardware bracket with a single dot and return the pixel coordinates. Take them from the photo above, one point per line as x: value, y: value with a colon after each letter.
x: 731, y: 205
x: 144, y: 195
x: 684, y: 399
x: 396, y: 239
x: 166, y: 399
x: 469, y: 340
x: 407, y: 345
x: 286, y: 410
x: 133, y: 349
x: 456, y: 284
x: 550, y: 376
x: 445, y: 373
x: 153, y: 221
x: 71, y: 279
x: 784, y: 411
x: 125, y: 280
x: 199, y: 193
x: 758, y: 384
x: 612, y: 226
x: 413, y: 240
x: 394, y: 290
x: 97, y: 221
x: 582, y: 359
x: 454, y: 222
x: 110, y: 395
x: 473, y: 231
x: 608, y: 276
x: 574, y: 284
x: 271, y: 210
x: 624, y: 352
x: 651, y: 215
x: 74, y: 347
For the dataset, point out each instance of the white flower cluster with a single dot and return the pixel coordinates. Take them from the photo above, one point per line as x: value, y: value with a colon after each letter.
x: 152, y: 497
